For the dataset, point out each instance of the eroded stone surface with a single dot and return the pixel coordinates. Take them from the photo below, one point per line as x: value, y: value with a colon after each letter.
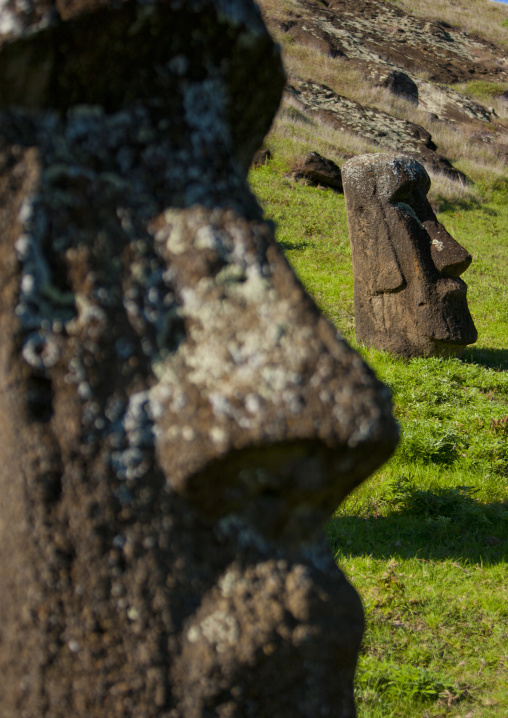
x: 382, y: 42
x: 379, y: 32
x: 377, y: 126
x: 177, y: 418
x: 409, y: 298
x: 319, y: 171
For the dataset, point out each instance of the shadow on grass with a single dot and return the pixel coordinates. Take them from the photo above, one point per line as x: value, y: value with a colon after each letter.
x: 493, y: 358
x: 441, y: 204
x: 466, y: 204
x: 432, y: 525
x: 300, y: 246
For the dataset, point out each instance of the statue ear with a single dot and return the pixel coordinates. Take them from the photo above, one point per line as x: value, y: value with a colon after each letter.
x: 386, y: 274
x: 374, y: 255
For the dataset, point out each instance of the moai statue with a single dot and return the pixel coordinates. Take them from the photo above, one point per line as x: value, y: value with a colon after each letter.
x: 409, y: 298
x: 178, y: 420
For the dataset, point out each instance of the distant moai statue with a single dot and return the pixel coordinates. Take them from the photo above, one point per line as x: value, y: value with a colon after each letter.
x: 409, y: 298
x: 178, y: 420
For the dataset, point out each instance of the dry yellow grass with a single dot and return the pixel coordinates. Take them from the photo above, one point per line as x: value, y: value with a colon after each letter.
x: 444, y: 188
x: 479, y: 17
x: 294, y: 134
x: 456, y: 141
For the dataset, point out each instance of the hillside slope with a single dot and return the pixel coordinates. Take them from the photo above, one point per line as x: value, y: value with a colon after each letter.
x: 386, y: 79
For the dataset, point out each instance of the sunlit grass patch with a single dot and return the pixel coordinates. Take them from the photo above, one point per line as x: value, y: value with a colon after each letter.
x: 425, y: 540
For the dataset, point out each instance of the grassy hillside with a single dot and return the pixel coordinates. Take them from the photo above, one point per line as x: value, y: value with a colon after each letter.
x: 425, y: 540
x: 479, y: 149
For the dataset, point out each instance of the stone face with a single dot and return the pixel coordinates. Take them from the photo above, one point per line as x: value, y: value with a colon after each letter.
x: 178, y: 420
x: 409, y: 298
x: 320, y: 171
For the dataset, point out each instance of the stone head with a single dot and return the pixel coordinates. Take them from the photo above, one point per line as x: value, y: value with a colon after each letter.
x: 178, y: 421
x: 409, y: 297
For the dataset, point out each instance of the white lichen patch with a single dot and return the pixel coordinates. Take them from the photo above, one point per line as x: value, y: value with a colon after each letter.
x: 9, y: 19
x: 193, y: 634
x: 205, y: 105
x: 221, y: 629
x: 246, y: 350
x: 218, y: 435
x: 229, y: 581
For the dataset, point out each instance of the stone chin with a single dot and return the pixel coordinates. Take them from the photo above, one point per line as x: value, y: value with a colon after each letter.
x: 410, y: 345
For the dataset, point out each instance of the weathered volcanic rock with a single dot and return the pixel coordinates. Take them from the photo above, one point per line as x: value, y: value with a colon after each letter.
x: 409, y: 298
x: 440, y: 101
x: 377, y: 126
x: 177, y: 418
x: 320, y: 171
x: 376, y: 31
x: 312, y: 35
x: 394, y: 49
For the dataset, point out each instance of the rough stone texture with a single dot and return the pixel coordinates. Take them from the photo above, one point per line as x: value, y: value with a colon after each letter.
x: 377, y: 126
x: 384, y: 43
x: 408, y: 296
x: 178, y: 420
x: 377, y: 31
x: 320, y: 172
x: 443, y: 103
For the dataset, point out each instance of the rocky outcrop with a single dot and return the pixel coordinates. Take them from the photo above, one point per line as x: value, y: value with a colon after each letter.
x: 178, y: 420
x: 393, y: 49
x: 442, y: 102
x: 377, y: 126
x: 376, y: 31
x: 399, y: 83
x: 408, y: 296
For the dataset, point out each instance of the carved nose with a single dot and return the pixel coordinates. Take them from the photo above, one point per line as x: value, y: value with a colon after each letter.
x: 449, y: 257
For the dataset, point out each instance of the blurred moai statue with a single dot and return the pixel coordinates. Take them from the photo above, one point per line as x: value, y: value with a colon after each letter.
x: 409, y: 298
x: 178, y: 420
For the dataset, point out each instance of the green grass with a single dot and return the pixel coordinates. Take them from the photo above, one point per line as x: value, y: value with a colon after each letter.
x: 482, y: 90
x: 425, y: 540
x: 312, y: 231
